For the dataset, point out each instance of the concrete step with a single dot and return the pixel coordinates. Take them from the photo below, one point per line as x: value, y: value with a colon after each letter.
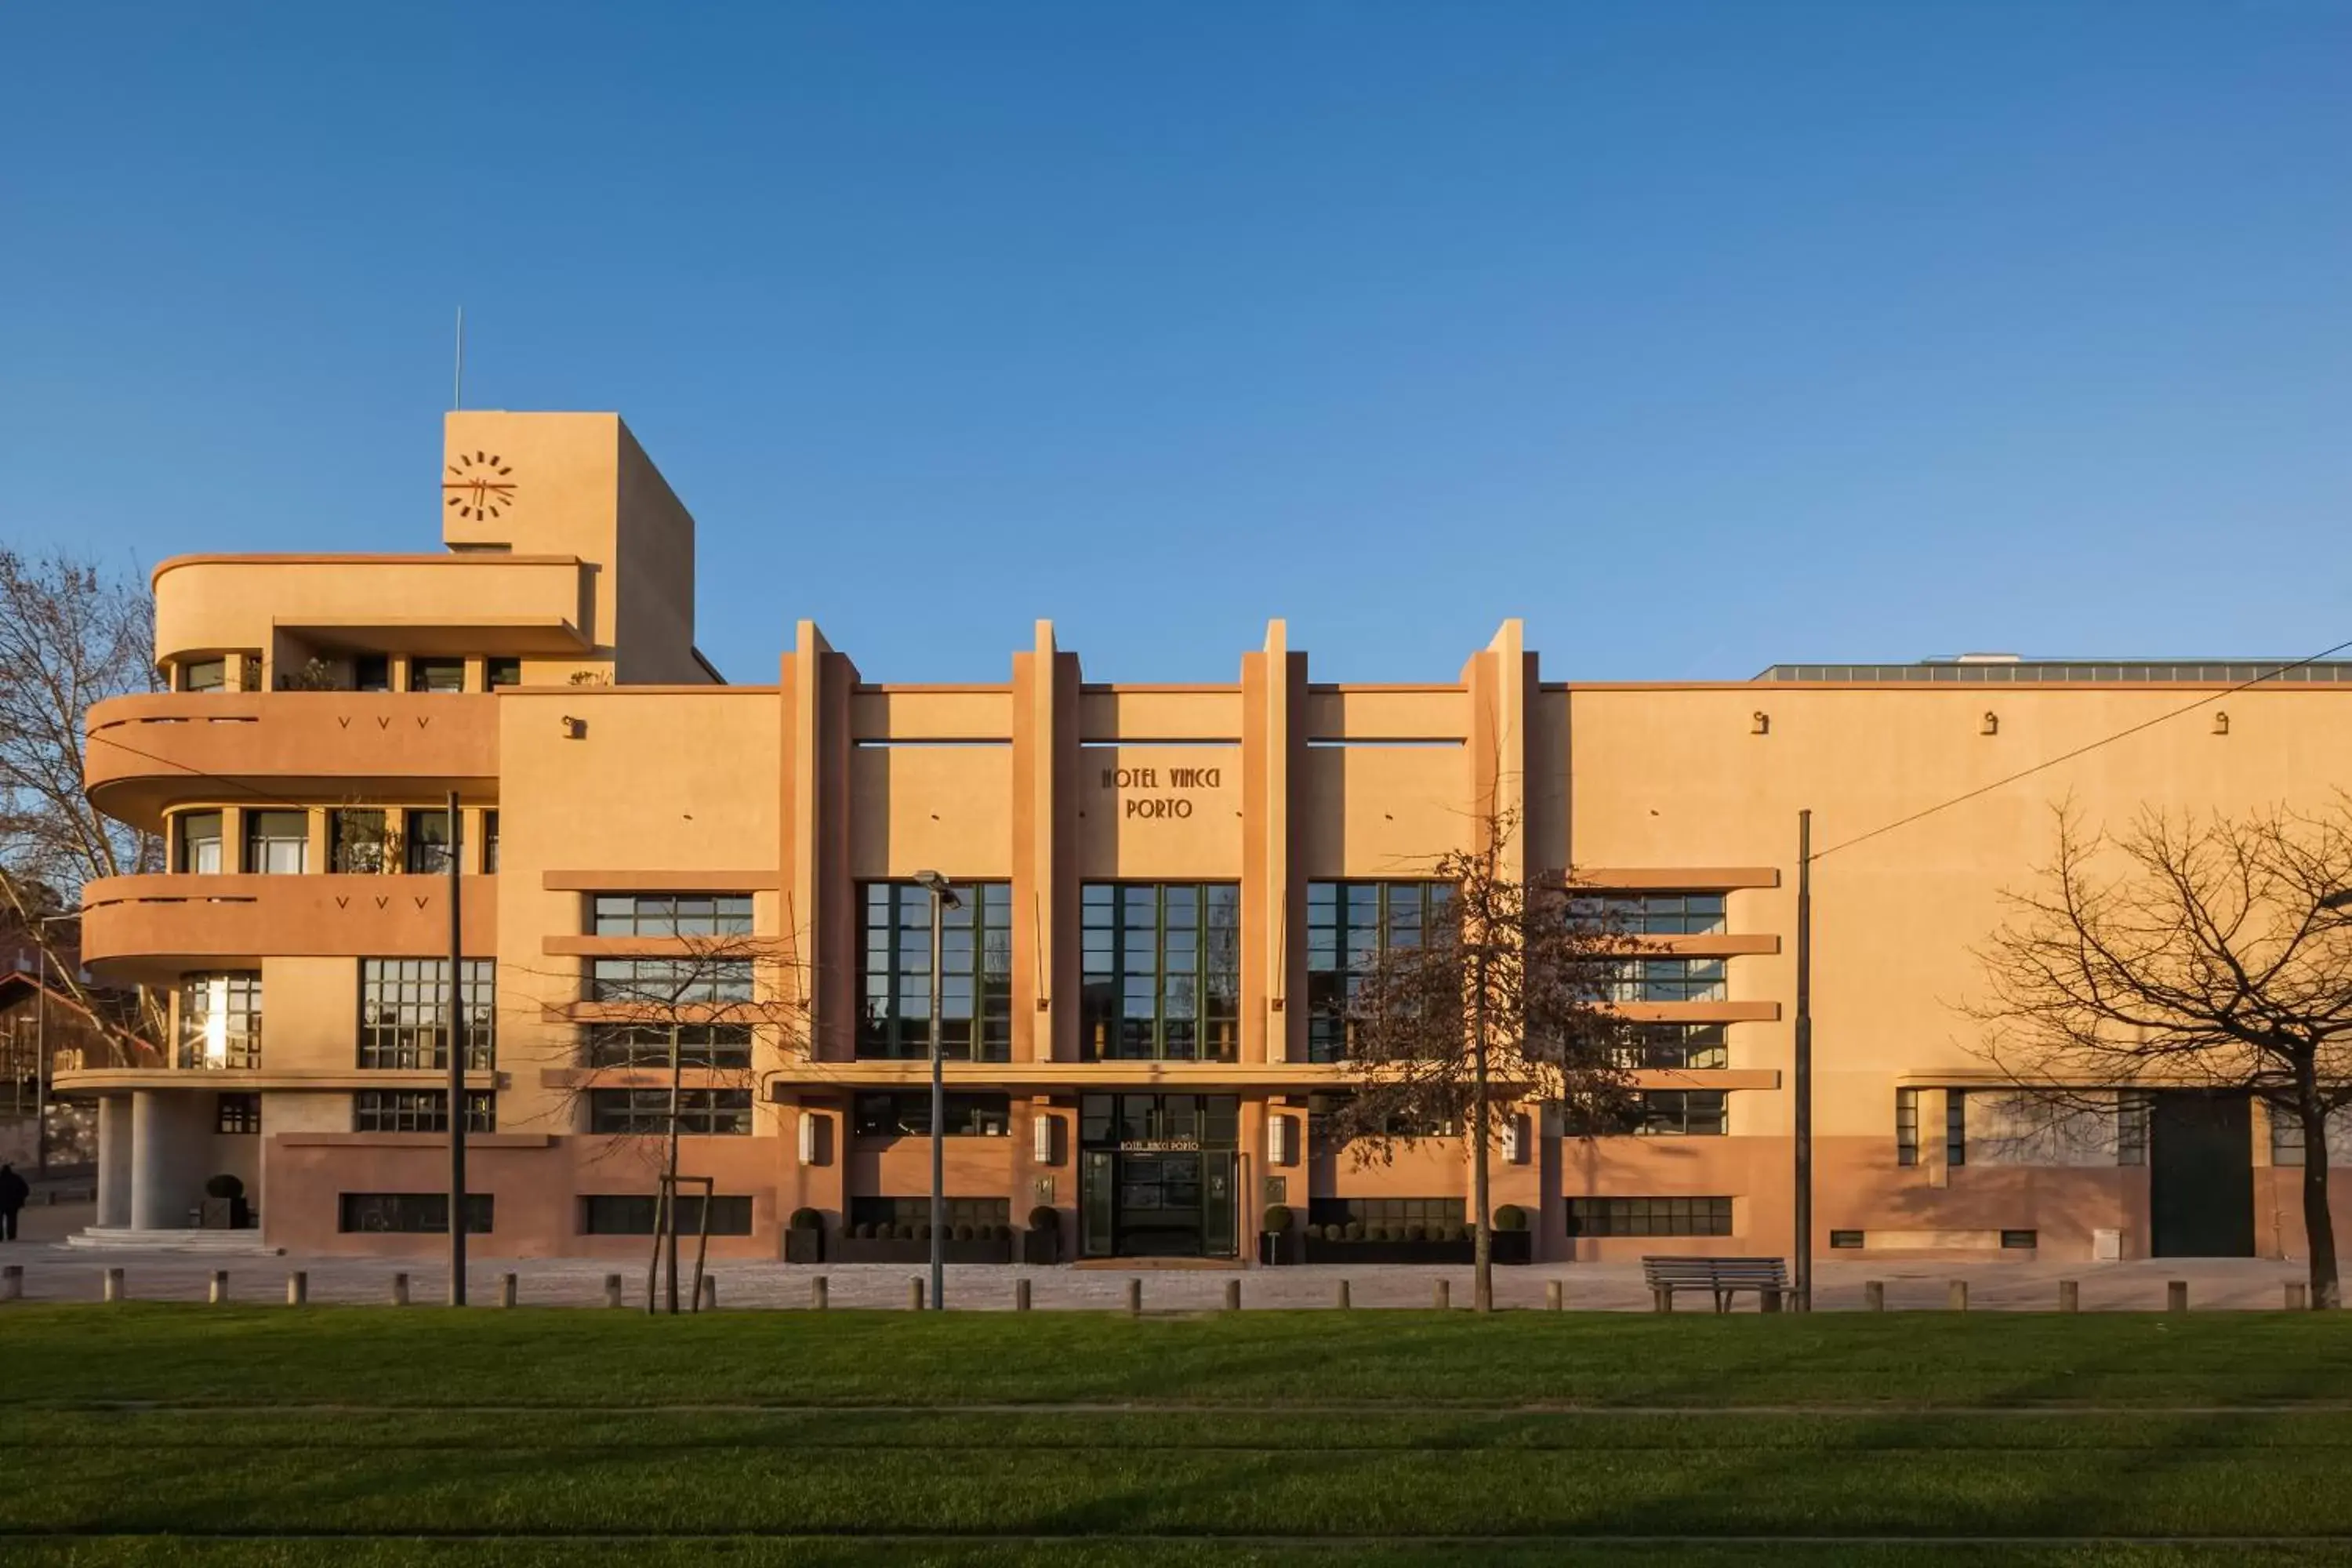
x: 208, y: 1243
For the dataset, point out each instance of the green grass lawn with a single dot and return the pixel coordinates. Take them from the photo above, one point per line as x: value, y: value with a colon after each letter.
x: 357, y: 1436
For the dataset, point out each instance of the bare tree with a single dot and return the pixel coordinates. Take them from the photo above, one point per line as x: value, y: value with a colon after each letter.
x: 1503, y: 998
x: 2210, y: 952
x: 71, y: 634
x: 704, y: 1006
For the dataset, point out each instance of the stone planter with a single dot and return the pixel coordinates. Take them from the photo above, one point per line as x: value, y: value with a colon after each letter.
x: 1041, y: 1247
x: 804, y: 1244
x: 228, y: 1213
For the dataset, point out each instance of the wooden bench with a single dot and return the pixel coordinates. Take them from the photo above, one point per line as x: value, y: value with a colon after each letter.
x: 1721, y: 1276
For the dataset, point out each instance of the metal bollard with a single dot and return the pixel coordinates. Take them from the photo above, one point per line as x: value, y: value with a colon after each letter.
x: 2298, y: 1296
x: 611, y: 1290
x: 817, y: 1294
x: 506, y: 1289
x: 2070, y: 1295
x: 114, y: 1291
x: 1232, y: 1295
x: 915, y: 1295
x: 297, y: 1288
x: 1959, y: 1296
x: 1343, y: 1303
x: 1554, y: 1295
x: 1874, y: 1295
x: 1444, y: 1295
x: 218, y: 1295
x: 1135, y: 1297
x: 400, y: 1289
x: 2176, y: 1295
x: 12, y: 1282
x: 709, y: 1298
x: 1021, y: 1295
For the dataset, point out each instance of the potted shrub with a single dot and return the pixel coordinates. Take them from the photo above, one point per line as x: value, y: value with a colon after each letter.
x: 1274, y: 1243
x: 225, y: 1206
x: 805, y: 1238
x: 1041, y: 1242
x: 1513, y: 1241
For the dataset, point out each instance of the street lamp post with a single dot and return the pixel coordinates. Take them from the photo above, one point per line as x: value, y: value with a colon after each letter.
x: 943, y: 899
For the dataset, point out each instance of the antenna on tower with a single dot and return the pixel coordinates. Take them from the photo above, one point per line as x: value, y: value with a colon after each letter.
x: 457, y: 382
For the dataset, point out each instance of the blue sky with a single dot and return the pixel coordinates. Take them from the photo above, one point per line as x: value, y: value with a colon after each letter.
x: 1702, y: 336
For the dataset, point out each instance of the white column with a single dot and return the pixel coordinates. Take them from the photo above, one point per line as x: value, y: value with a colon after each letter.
x: 114, y: 1141
x: 168, y: 1148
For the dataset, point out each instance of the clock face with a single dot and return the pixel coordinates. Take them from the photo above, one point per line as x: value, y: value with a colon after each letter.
x: 478, y: 486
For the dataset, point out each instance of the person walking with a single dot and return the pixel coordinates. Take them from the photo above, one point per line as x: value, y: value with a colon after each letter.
x: 13, y: 1194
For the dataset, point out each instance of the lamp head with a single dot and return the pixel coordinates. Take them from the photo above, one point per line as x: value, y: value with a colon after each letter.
x: 938, y: 887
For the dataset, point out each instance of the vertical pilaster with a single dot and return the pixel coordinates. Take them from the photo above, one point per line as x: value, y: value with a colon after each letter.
x: 1045, y: 1009
x: 1274, y: 894
x: 820, y: 918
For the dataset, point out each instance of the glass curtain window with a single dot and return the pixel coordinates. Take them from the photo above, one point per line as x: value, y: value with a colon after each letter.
x: 1684, y: 1047
x: 355, y: 841
x: 404, y: 1016
x: 1680, y: 1112
x: 701, y: 1112
x: 647, y: 1045
x: 1350, y: 925
x: 665, y: 981
x: 976, y: 987
x: 277, y: 843
x: 1162, y: 971
x: 200, y: 842
x: 220, y: 1019
x: 670, y: 914
x: 1670, y: 980
x: 428, y: 843
x: 1655, y: 914
x: 420, y: 1110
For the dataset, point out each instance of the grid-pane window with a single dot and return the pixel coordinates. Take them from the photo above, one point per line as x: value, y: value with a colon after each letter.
x: 436, y: 674
x: 647, y: 1045
x: 220, y: 1019
x: 200, y: 843
x: 1162, y: 971
x: 1907, y: 1126
x: 1669, y: 980
x: 880, y: 1211
x: 489, y: 844
x: 976, y: 973
x: 1649, y: 1216
x: 204, y: 675
x: 671, y: 914
x: 2287, y: 1135
x: 277, y: 843
x: 428, y: 844
x: 909, y: 1115
x: 1348, y: 926
x: 1683, y: 1046
x: 2132, y: 1106
x: 1956, y: 1127
x: 663, y: 982
x: 633, y: 1214
x: 1163, y: 1120
x: 1386, y: 1211
x: 1655, y: 914
x: 355, y: 841
x: 403, y: 1012
x: 414, y: 1214
x: 420, y: 1110
x: 1679, y: 1113
x: 701, y: 1112
x: 236, y: 1113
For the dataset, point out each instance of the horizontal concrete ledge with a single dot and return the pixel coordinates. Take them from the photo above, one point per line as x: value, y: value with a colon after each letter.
x: 245, y: 1080
x: 1698, y: 878
x: 668, y: 881
x: 410, y: 1140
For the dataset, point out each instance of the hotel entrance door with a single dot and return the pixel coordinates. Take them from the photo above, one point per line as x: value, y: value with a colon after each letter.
x: 1158, y: 1202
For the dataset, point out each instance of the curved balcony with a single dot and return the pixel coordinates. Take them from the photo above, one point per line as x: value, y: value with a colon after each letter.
x: 148, y: 753
x: 149, y: 929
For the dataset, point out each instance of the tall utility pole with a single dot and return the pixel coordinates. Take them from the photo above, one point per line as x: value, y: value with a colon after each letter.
x: 456, y: 1117
x: 1804, y: 1071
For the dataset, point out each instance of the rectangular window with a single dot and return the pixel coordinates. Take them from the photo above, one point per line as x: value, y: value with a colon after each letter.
x: 701, y: 1112
x: 200, y: 843
x: 976, y: 964
x: 277, y: 843
x: 2287, y: 1135
x: 1685, y: 1047
x: 1387, y: 1211
x: 2131, y: 1126
x: 1162, y: 970
x: 436, y: 674
x: 1845, y: 1240
x: 1160, y: 1120
x: 666, y: 982
x: 497, y: 672
x: 403, y: 1012
x: 355, y: 841
x: 371, y: 673
x: 2020, y: 1241
x: 1669, y: 980
x: 1956, y: 1127
x: 204, y: 675
x: 647, y: 1045
x: 633, y: 1214
x: 489, y: 844
x: 427, y: 850
x: 1350, y: 927
x: 1677, y: 1112
x: 412, y: 1213
x: 220, y: 1019
x: 916, y: 1212
x: 1654, y: 914
x: 420, y: 1110
x: 670, y: 914
x: 1907, y: 1126
x: 1649, y: 1216
x: 908, y: 1115
x: 236, y: 1113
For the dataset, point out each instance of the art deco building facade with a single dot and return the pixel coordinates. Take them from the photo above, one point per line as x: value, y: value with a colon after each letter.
x: 1163, y: 890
